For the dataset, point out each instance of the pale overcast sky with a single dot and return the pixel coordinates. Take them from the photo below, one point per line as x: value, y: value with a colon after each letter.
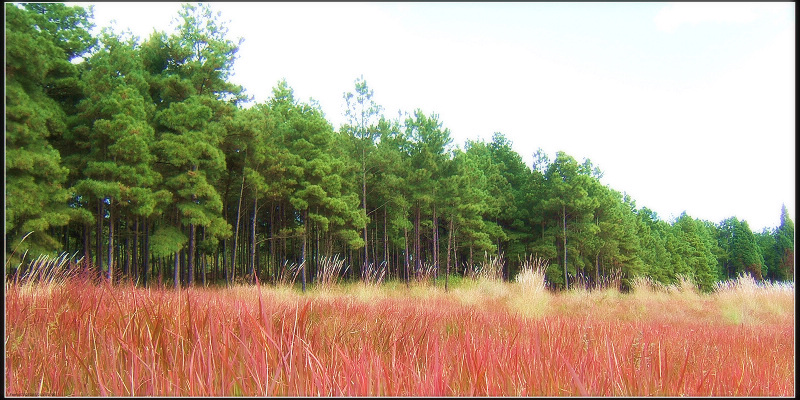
x: 684, y: 106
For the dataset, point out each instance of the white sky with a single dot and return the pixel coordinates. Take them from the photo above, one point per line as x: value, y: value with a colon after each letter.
x: 684, y: 106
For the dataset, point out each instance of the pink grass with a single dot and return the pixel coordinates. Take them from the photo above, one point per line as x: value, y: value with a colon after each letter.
x: 83, y: 339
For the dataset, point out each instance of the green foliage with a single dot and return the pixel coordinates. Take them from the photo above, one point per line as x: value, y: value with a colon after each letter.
x: 167, y: 240
x: 41, y: 39
x: 108, y: 138
x: 784, y: 247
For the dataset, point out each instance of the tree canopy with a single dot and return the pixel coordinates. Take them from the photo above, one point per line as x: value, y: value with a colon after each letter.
x: 144, y: 155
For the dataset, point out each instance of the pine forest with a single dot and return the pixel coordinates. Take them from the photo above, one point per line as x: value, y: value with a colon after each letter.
x: 138, y: 159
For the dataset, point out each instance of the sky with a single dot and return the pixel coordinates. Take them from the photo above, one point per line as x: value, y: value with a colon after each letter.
x: 683, y: 106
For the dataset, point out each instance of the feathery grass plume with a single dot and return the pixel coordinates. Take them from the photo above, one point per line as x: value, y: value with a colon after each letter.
x: 686, y: 285
x: 287, y: 274
x: 330, y: 271
x: 426, y: 273
x: 579, y: 281
x: 375, y: 275
x: 645, y: 284
x: 533, y: 298
x: 746, y: 301
x: 612, y: 280
x: 15, y: 271
x: 491, y: 268
x: 531, y: 276
x: 47, y: 270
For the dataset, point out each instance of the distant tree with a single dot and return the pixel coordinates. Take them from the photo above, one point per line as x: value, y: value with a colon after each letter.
x: 695, y: 258
x: 745, y: 255
x: 653, y: 233
x: 316, y: 194
x: 428, y: 151
x: 784, y: 241
x: 362, y: 116
x: 567, y: 200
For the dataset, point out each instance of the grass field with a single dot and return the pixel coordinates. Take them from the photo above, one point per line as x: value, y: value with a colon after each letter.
x: 479, y: 338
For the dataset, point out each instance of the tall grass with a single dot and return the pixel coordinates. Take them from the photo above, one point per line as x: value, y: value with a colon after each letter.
x: 287, y: 274
x: 491, y: 268
x: 85, y: 339
x: 375, y: 274
x: 330, y: 271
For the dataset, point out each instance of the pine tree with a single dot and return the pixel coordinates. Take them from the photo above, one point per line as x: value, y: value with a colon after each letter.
x: 196, y: 108
x: 41, y: 40
x: 784, y: 243
x: 362, y: 114
x: 568, y: 201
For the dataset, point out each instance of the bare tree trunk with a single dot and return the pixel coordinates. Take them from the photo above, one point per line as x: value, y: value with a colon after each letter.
x: 99, y: 238
x: 87, y: 243
x: 135, y: 248
x: 110, y: 242
x: 224, y: 252
x: 417, y: 244
x: 364, y: 206
x: 146, y: 251
x: 190, y: 254
x: 435, y: 245
x: 449, y: 244
x: 597, y: 270
x: 177, y: 270
x: 471, y: 264
x: 385, y: 242
x: 253, y: 241
x: 127, y: 264
x: 204, y: 263
x: 272, y: 259
x: 564, y: 217
x: 405, y: 237
x: 236, y: 234
x: 66, y: 237
x: 303, y: 256
x: 215, y: 268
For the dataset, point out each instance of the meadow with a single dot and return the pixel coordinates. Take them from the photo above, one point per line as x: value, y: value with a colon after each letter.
x: 481, y: 337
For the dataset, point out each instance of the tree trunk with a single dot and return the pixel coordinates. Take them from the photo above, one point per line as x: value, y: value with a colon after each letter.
x: 190, y: 254
x: 272, y: 259
x: 471, y: 264
x: 204, y: 263
x: 253, y: 241
x: 215, y: 269
x: 177, y: 270
x: 99, y: 238
x: 224, y: 252
x: 405, y: 241
x: 135, y: 248
x: 110, y: 242
x: 597, y: 270
x: 87, y: 243
x: 364, y: 206
x: 385, y: 243
x: 417, y: 244
x: 127, y: 264
x: 435, y: 245
x: 564, y: 217
x: 146, y: 251
x: 66, y: 238
x: 236, y: 234
x: 303, y: 256
x: 449, y: 244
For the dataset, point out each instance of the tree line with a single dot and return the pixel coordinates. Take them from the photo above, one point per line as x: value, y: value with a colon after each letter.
x: 144, y: 160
